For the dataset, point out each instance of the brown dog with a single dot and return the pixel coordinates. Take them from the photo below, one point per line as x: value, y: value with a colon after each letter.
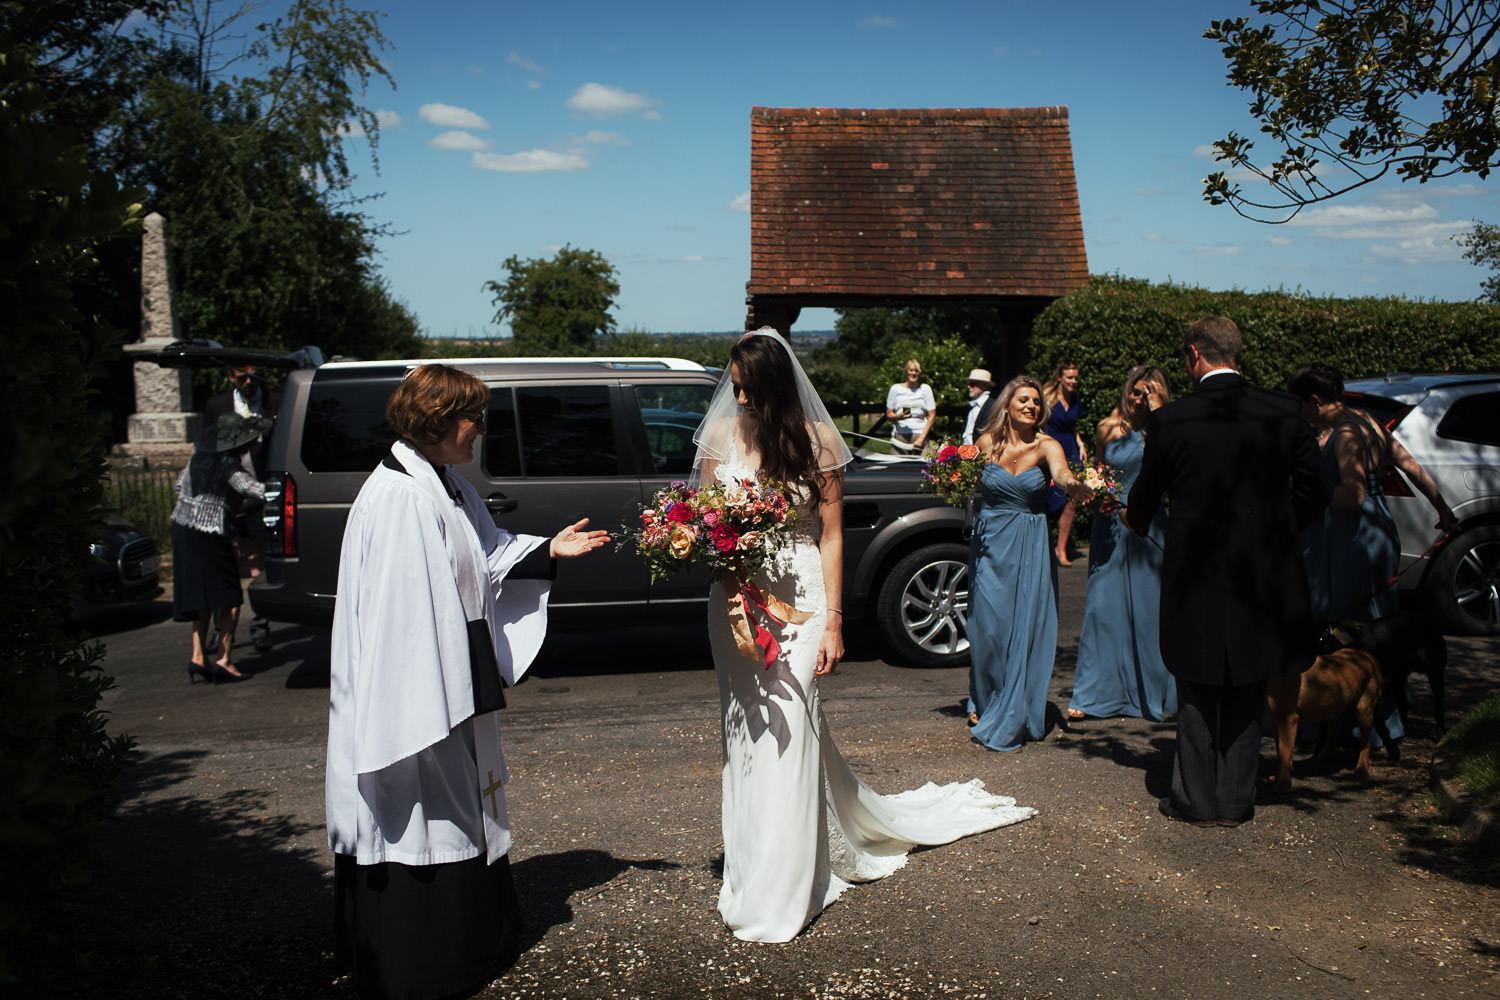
x: 1347, y: 678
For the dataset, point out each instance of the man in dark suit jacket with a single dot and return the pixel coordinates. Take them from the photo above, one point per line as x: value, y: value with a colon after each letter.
x: 249, y: 396
x: 1243, y: 474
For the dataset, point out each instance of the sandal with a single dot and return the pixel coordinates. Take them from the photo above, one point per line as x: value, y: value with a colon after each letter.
x: 1074, y: 715
x: 973, y: 719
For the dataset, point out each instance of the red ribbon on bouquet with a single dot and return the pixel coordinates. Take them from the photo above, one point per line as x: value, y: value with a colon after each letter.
x: 759, y: 642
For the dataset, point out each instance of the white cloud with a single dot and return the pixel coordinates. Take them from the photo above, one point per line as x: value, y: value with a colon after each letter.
x: 388, y: 118
x: 878, y: 21
x: 458, y: 139
x: 1280, y: 241
x: 652, y: 116
x: 1404, y: 231
x: 533, y: 161
x: 692, y: 258
x: 449, y: 116
x: 1337, y: 218
x: 1216, y: 250
x: 595, y: 137
x: 533, y: 85
x: 741, y: 202
x: 1419, y: 250
x: 516, y: 59
x: 599, y: 101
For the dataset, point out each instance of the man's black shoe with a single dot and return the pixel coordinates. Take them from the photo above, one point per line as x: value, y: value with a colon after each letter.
x: 1170, y: 811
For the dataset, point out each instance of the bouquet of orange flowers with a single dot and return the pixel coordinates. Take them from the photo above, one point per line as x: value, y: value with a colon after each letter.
x: 952, y: 473
x: 722, y: 527
x: 1104, y: 480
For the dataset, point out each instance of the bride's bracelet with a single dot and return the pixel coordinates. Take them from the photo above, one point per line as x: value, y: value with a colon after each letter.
x: 835, y: 611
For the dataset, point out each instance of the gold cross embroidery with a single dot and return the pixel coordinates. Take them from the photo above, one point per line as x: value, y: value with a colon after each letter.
x: 494, y: 786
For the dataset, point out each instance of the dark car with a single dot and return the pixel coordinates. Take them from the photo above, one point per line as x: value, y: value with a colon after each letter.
x: 1450, y: 422
x: 591, y: 437
x: 123, y: 566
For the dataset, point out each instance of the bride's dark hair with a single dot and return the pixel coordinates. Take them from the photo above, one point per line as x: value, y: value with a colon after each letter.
x: 779, y: 430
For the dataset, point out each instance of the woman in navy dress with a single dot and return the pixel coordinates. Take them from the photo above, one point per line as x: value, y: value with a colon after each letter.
x: 1012, y: 579
x: 1120, y: 670
x: 1064, y: 409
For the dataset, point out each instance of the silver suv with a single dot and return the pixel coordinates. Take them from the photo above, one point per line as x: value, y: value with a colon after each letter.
x: 565, y: 438
x: 1451, y: 424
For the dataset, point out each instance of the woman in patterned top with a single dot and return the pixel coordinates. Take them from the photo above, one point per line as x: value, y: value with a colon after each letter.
x: 205, y: 575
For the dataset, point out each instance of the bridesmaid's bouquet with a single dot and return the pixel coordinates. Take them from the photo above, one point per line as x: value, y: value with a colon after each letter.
x: 1104, y: 480
x: 734, y: 528
x: 952, y: 473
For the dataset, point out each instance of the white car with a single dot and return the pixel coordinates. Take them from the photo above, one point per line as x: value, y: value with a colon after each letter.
x: 1450, y: 422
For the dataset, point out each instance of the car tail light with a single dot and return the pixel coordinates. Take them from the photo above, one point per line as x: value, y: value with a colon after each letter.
x: 1393, y: 485
x: 280, y: 515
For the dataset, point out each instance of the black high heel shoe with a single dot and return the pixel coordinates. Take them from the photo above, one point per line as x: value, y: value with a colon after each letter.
x: 220, y: 675
x: 198, y: 670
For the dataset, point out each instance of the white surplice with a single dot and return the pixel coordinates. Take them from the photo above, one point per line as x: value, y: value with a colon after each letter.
x: 799, y: 826
x: 413, y: 775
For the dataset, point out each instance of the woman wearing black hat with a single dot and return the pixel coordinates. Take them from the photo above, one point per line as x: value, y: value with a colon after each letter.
x: 205, y: 576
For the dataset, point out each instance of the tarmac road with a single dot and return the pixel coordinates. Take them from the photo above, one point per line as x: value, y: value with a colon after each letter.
x: 220, y: 876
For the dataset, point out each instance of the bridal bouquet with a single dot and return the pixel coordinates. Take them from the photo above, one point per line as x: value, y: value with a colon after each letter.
x: 952, y: 473
x: 1104, y: 480
x: 728, y: 528
x: 722, y: 527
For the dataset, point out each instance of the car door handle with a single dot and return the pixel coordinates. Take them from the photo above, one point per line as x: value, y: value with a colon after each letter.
x: 499, y: 503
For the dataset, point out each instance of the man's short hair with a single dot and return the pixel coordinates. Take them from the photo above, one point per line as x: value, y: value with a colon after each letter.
x: 1216, y: 338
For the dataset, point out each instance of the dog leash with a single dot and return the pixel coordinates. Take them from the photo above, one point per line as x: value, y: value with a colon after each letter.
x: 1443, y: 538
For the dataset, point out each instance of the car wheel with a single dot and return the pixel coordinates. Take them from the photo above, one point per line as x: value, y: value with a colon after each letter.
x: 923, y: 607
x: 1464, y: 582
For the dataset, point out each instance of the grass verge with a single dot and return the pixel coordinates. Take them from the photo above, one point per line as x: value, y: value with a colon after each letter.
x: 1472, y: 752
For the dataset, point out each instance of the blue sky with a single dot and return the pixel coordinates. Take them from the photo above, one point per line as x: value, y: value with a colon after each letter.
x: 517, y: 128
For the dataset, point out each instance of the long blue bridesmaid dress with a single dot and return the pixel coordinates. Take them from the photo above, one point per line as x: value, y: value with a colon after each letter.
x: 1351, y: 557
x: 1120, y: 671
x: 1012, y: 609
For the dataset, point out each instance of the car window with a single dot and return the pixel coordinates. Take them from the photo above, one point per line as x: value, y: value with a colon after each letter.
x: 1473, y: 418
x: 345, y: 429
x: 1388, y: 411
x: 671, y: 414
x: 566, y: 430
x: 502, y: 445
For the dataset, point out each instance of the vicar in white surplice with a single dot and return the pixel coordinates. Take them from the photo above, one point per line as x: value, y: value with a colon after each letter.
x: 438, y: 610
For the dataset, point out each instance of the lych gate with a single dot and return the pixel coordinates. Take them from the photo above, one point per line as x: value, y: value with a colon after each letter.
x: 858, y: 207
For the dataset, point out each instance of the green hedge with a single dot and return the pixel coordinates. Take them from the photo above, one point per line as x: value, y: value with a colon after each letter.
x: 57, y: 763
x: 1116, y: 323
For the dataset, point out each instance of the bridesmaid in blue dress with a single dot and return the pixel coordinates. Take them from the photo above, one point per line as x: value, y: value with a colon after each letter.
x: 1012, y: 579
x: 1353, y: 552
x: 1120, y: 670
x: 1064, y: 409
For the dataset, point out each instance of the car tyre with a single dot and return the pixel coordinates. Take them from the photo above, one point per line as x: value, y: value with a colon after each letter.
x: 923, y: 606
x: 1464, y: 582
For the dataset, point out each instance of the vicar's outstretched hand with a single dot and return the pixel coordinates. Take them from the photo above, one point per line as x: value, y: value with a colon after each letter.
x: 575, y: 541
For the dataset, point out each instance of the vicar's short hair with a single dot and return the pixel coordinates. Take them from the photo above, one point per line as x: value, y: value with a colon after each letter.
x: 1216, y: 338
x: 429, y: 398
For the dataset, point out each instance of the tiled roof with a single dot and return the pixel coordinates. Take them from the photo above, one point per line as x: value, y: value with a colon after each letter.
x: 887, y: 202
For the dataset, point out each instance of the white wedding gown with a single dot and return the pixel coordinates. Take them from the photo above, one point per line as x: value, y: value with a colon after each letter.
x: 799, y: 827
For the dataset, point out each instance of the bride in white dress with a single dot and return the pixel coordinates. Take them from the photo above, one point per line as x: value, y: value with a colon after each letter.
x: 799, y: 827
